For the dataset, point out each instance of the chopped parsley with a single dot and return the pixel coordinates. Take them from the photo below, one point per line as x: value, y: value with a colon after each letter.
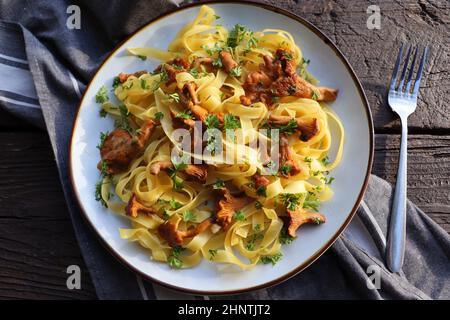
x: 271, y: 259
x: 325, y: 161
x: 194, y: 72
x: 143, y: 58
x: 289, y: 128
x: 291, y: 200
x: 116, y: 82
x: 286, y: 169
x: 212, y: 121
x: 261, y: 191
x: 212, y: 50
x: 144, y: 85
x: 317, y: 220
x: 172, y: 203
x: 102, y: 95
x: 103, y: 136
x: 328, y: 180
x: 311, y: 202
x: 174, y: 259
x: 184, y: 115
x: 258, y: 205
x: 189, y: 216
x: 252, y: 242
x: 239, y: 216
x: 123, y: 122
x: 177, y: 182
x: 236, y: 35
x: 230, y: 122
x: 174, y: 97
x: 212, y: 253
x: 285, y: 238
x: 288, y: 56
x: 236, y: 71
x: 163, y: 78
x: 217, y: 63
x: 98, y: 193
x: 219, y: 184
x: 159, y: 115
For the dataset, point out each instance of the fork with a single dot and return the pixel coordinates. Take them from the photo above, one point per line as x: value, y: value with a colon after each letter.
x: 402, y: 101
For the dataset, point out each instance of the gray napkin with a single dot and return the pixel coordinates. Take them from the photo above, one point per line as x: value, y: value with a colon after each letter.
x: 54, y: 63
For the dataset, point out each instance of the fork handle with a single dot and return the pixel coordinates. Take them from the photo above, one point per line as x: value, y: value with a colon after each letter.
x: 397, y: 225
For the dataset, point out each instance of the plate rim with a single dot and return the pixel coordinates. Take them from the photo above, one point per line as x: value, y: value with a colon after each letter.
x: 319, y: 252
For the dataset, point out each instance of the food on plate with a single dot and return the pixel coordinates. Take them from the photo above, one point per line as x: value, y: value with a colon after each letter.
x: 220, y: 152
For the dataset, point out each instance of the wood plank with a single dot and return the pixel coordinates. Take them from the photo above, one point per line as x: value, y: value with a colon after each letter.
x: 37, y: 240
x: 428, y: 171
x: 372, y: 53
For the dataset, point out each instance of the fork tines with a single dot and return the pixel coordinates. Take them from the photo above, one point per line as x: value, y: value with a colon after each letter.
x: 412, y: 65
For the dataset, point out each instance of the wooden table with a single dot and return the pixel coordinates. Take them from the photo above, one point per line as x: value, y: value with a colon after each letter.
x: 37, y: 242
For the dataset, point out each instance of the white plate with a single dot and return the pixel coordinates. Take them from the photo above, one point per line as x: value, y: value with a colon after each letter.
x: 327, y: 64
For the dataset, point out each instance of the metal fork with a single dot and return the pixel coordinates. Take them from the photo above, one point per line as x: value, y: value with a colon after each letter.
x: 402, y: 101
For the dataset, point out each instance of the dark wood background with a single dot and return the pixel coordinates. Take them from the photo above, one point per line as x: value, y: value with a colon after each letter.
x: 36, y: 237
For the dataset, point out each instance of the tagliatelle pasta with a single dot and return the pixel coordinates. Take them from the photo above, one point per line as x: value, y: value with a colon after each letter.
x: 220, y: 153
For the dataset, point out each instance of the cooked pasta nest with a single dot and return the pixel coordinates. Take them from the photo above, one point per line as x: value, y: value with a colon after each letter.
x: 232, y: 87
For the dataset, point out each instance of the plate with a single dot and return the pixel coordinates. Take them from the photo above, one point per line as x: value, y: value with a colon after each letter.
x: 327, y: 64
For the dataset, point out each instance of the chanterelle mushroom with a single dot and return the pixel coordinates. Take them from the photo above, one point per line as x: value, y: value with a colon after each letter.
x: 121, y: 147
x: 307, y: 128
x: 227, y: 61
x: 227, y: 207
x: 188, y: 99
x: 277, y: 77
x: 299, y: 217
x: 286, y: 159
x: 168, y: 231
x: 198, y: 171
x: 134, y: 207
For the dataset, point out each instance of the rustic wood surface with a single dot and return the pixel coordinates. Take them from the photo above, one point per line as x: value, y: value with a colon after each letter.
x: 37, y: 241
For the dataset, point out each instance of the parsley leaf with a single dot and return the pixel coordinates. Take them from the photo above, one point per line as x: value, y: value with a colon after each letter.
x: 194, y: 73
x: 143, y: 58
x: 285, y: 169
x: 271, y: 259
x: 212, y: 253
x: 175, y: 97
x: 236, y: 72
x: 189, y: 216
x: 285, y: 238
x: 116, y: 82
x: 103, y: 136
x: 174, y: 259
x: 261, y: 191
x: 102, y: 95
x: 239, y: 216
x: 98, y: 193
x: 290, y: 200
x: 311, y: 202
x: 219, y: 184
x: 230, y: 122
x: 212, y: 121
x: 217, y: 63
x: 184, y: 115
x: 236, y: 35
x: 159, y: 115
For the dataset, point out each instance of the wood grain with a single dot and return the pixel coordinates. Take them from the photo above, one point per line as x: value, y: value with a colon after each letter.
x: 37, y: 242
x: 372, y: 53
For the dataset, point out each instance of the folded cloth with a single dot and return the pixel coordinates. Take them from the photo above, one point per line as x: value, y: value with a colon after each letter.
x: 44, y: 67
